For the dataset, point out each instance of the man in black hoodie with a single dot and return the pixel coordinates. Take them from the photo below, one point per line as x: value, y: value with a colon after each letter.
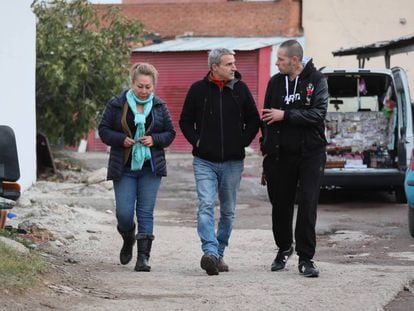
x: 293, y: 145
x: 219, y: 118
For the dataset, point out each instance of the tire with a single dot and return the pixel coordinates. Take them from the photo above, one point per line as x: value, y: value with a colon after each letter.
x: 411, y: 220
x: 400, y: 195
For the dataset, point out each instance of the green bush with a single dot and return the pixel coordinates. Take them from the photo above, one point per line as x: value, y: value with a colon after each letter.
x: 82, y: 60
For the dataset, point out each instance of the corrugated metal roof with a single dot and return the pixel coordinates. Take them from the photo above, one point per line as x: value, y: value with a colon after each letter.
x: 208, y: 43
x: 380, y: 48
x: 395, y: 46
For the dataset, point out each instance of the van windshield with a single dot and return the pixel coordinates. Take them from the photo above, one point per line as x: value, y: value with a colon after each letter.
x: 357, y: 92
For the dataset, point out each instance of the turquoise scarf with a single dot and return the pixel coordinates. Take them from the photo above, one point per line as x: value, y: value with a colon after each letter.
x: 140, y: 152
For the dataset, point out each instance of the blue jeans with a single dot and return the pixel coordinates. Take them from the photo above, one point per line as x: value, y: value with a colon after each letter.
x: 212, y: 178
x: 136, y: 192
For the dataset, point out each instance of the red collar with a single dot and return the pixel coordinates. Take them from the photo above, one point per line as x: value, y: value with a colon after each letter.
x: 218, y: 82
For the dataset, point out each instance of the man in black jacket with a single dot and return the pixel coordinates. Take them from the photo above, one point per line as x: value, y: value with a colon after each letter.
x: 293, y: 145
x: 219, y: 118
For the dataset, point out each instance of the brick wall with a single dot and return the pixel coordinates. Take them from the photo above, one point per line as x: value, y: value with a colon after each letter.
x: 95, y: 143
x: 234, y: 18
x: 168, y: 1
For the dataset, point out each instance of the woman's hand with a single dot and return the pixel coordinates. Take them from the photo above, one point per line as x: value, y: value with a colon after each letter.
x: 128, y: 142
x: 147, y: 141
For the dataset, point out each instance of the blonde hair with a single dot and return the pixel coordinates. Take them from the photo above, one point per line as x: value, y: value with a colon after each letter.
x: 143, y: 69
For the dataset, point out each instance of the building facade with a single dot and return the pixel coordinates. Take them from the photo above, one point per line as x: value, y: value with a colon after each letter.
x: 333, y: 24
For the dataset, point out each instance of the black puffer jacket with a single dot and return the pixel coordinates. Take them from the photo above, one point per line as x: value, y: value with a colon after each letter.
x: 219, y: 123
x: 303, y: 127
x: 112, y: 134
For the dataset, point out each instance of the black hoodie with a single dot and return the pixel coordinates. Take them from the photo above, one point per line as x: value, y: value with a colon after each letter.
x: 303, y: 127
x: 219, y: 123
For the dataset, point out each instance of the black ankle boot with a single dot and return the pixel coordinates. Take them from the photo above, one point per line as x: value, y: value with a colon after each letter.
x: 125, y: 255
x: 144, y: 249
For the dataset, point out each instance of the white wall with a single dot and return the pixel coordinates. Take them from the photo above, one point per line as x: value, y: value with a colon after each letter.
x: 17, y: 81
x: 332, y: 24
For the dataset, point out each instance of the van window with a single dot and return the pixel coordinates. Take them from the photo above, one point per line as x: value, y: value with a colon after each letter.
x: 401, y: 96
x: 353, y: 104
x: 357, y: 92
x: 412, y: 114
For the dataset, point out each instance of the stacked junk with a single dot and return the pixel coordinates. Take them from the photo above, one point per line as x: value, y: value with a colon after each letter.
x: 359, y: 140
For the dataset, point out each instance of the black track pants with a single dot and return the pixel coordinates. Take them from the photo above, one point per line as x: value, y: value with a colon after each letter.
x: 285, y: 174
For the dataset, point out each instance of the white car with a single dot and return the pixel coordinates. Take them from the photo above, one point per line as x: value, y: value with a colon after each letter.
x: 369, y: 127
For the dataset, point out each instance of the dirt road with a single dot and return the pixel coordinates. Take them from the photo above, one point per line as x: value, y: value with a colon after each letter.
x: 364, y: 251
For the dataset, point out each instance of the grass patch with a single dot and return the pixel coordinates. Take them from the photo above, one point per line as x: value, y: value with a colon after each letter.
x: 19, y: 271
x: 12, y: 235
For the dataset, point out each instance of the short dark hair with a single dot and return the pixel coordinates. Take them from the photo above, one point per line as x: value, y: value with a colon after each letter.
x: 293, y: 48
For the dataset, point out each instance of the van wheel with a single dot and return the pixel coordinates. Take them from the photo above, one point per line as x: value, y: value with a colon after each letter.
x: 400, y: 195
x: 411, y: 220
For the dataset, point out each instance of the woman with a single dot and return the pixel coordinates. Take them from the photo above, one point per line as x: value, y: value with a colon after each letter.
x: 137, y: 126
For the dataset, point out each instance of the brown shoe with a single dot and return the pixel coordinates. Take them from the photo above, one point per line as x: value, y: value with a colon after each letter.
x: 222, y: 266
x: 209, y: 263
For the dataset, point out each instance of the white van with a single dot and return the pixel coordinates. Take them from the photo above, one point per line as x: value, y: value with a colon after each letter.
x: 369, y: 127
